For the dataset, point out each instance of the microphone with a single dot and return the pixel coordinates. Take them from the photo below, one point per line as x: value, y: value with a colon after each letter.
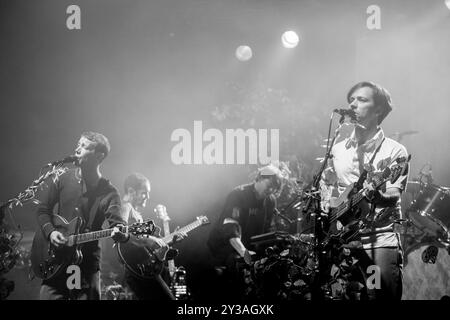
x: 346, y: 112
x: 69, y: 159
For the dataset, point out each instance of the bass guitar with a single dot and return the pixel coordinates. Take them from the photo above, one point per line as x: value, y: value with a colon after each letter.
x: 47, y: 260
x: 352, y: 212
x: 144, y: 262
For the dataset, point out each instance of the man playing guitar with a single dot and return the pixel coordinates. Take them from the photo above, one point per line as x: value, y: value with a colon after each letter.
x: 367, y: 150
x: 80, y: 192
x: 137, y: 193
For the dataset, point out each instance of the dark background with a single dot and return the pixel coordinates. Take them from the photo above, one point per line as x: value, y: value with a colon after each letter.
x: 138, y: 70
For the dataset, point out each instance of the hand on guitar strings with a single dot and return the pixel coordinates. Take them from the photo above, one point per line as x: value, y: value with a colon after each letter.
x: 369, y: 192
x: 57, y: 238
x: 154, y: 243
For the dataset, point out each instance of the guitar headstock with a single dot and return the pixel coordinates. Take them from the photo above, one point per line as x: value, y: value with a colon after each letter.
x: 399, y: 168
x: 203, y: 220
x: 392, y: 173
x: 142, y: 228
x: 161, y: 212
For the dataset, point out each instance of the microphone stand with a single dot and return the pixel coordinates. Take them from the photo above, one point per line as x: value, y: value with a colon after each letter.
x: 312, y: 209
x: 8, y: 241
x: 283, y: 216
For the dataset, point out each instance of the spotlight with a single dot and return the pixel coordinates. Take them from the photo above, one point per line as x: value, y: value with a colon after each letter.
x: 447, y: 3
x: 289, y: 39
x: 244, y: 53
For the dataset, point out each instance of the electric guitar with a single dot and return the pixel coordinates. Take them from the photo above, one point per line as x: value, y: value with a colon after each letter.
x: 352, y: 212
x: 144, y: 262
x: 161, y: 213
x: 47, y: 260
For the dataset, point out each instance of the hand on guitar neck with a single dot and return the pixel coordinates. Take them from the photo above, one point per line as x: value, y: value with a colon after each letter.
x: 150, y: 242
x: 58, y: 239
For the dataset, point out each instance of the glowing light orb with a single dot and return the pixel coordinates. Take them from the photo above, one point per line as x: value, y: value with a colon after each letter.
x: 244, y: 53
x: 290, y: 39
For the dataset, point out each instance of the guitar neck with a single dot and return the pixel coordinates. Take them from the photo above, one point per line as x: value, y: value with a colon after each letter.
x: 353, y: 201
x: 170, y: 263
x: 169, y: 238
x: 94, y: 235
x: 344, y: 207
x: 166, y: 227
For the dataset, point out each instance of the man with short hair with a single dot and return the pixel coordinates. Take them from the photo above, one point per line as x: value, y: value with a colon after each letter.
x: 248, y: 211
x: 369, y: 150
x: 81, y: 192
x: 137, y: 193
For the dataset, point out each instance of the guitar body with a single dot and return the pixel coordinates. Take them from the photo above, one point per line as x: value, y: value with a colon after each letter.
x: 141, y: 261
x: 144, y: 262
x: 352, y: 211
x: 348, y: 224
x: 48, y: 261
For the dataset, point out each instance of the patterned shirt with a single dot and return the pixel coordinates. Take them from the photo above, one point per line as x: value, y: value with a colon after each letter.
x: 348, y: 161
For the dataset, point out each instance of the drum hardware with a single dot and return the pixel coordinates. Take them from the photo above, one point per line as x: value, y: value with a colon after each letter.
x: 429, y: 255
x: 115, y: 291
x: 179, y: 285
x: 428, y: 210
x: 426, y: 275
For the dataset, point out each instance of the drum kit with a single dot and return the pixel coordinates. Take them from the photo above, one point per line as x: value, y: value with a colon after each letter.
x: 287, y: 269
x: 426, y: 240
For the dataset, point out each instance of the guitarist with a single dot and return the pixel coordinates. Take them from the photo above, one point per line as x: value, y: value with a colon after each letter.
x: 83, y: 192
x: 137, y: 193
x: 369, y: 149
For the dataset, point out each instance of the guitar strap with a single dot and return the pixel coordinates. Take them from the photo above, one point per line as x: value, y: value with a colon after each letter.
x: 365, y: 172
x: 363, y: 176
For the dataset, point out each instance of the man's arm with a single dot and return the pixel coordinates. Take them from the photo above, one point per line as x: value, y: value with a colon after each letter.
x: 116, y: 217
x: 390, y: 195
x: 113, y: 211
x: 48, y: 198
x: 47, y: 201
x: 388, y: 198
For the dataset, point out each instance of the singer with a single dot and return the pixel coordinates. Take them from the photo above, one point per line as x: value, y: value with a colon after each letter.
x: 85, y: 193
x: 367, y: 149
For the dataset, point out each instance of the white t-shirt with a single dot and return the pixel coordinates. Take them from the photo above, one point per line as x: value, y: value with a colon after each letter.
x: 131, y: 215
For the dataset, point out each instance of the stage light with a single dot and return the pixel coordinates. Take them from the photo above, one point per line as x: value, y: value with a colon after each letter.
x: 244, y: 53
x: 447, y: 3
x: 289, y: 39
